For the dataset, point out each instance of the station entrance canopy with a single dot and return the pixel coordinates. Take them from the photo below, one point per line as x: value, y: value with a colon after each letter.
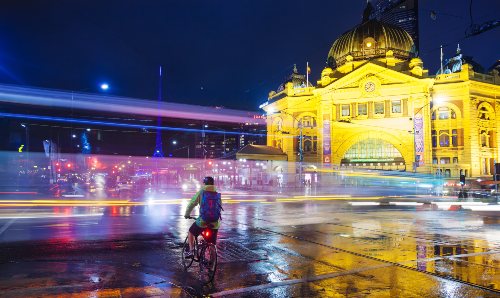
x: 261, y: 152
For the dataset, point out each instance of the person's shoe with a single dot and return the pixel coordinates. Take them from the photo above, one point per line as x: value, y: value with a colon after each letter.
x: 188, y: 254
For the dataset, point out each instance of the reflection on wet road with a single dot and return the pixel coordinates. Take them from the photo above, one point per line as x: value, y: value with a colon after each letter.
x: 269, y: 247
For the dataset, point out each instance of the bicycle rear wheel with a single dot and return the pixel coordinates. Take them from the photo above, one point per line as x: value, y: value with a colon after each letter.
x: 186, y: 262
x: 208, y: 262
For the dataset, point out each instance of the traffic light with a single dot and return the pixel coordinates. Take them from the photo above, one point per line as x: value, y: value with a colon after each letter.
x: 496, y: 175
x: 462, y: 179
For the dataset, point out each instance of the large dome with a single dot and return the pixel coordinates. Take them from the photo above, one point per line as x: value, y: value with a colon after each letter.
x: 371, y: 39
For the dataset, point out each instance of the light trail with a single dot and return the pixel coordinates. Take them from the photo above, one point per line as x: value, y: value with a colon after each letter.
x: 325, y: 196
x: 362, y: 201
x: 124, y: 105
x: 46, y: 215
x: 18, y: 193
x: 125, y: 125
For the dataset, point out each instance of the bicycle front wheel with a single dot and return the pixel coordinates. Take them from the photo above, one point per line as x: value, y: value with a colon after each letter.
x: 186, y: 262
x: 208, y: 262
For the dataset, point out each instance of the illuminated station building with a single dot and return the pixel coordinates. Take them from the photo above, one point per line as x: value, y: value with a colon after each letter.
x: 376, y: 106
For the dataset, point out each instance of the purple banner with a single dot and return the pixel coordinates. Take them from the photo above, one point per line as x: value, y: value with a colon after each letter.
x: 419, y: 139
x: 327, y: 146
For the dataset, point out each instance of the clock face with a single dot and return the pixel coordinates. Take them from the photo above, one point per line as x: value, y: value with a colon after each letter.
x: 369, y: 86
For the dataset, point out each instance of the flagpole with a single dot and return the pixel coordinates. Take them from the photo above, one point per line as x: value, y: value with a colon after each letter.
x: 441, y: 59
x: 307, y: 74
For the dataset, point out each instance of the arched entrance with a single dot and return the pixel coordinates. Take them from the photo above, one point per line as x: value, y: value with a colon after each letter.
x: 373, y: 153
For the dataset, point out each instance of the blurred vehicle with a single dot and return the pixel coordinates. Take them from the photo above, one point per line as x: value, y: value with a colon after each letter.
x: 190, y: 185
x: 134, y: 188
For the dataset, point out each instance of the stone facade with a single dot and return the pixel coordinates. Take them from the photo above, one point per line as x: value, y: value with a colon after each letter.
x: 386, y: 112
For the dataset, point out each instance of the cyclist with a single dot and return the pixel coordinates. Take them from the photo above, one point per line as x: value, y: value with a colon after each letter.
x: 199, y: 225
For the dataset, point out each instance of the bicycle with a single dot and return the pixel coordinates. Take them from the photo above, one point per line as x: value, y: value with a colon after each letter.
x: 205, y: 253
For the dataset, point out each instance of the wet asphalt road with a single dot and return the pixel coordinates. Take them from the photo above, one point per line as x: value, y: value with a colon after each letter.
x: 318, y: 247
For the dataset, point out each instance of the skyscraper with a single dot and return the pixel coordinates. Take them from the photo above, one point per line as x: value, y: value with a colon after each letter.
x: 402, y: 13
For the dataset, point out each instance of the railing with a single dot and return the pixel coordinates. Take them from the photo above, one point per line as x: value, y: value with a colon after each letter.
x: 484, y: 77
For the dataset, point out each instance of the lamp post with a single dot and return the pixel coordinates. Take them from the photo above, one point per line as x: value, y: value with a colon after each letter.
x: 104, y: 87
x: 27, y: 136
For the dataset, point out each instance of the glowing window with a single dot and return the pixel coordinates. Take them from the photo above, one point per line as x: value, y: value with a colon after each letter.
x: 362, y: 109
x: 444, y: 138
x: 379, y: 108
x: 372, y: 150
x: 444, y: 160
x: 396, y: 106
x: 484, y: 138
x: 346, y: 110
x: 454, y: 137
x: 308, y: 121
x: 434, y: 139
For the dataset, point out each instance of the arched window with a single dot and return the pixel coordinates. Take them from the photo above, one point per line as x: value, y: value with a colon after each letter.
x: 434, y: 138
x: 445, y: 113
x: 483, y: 113
x: 444, y: 138
x: 454, y: 137
x: 307, y: 146
x: 310, y: 144
x: 278, y: 125
x: 484, y: 138
x: 372, y: 150
x: 308, y: 121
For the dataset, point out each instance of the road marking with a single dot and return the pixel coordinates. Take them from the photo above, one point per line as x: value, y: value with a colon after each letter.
x: 46, y: 215
x: 296, y: 281
x: 10, y: 222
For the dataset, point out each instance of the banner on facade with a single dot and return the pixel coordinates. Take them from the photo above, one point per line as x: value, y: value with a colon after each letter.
x: 419, y: 140
x: 327, y: 146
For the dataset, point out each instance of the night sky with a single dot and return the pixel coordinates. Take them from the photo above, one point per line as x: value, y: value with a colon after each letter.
x: 216, y: 53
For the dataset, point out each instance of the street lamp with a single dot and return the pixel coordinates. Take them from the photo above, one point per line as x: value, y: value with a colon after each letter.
x: 26, y: 131
x: 104, y: 86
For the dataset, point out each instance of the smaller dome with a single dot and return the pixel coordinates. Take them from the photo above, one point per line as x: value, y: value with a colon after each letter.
x: 495, y: 66
x: 326, y: 72
x: 298, y: 80
x: 415, y: 62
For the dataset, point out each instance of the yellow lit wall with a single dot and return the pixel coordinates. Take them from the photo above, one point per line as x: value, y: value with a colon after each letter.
x: 381, y: 100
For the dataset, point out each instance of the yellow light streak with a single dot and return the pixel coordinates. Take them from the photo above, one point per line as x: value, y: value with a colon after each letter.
x: 323, y: 196
x: 229, y: 200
